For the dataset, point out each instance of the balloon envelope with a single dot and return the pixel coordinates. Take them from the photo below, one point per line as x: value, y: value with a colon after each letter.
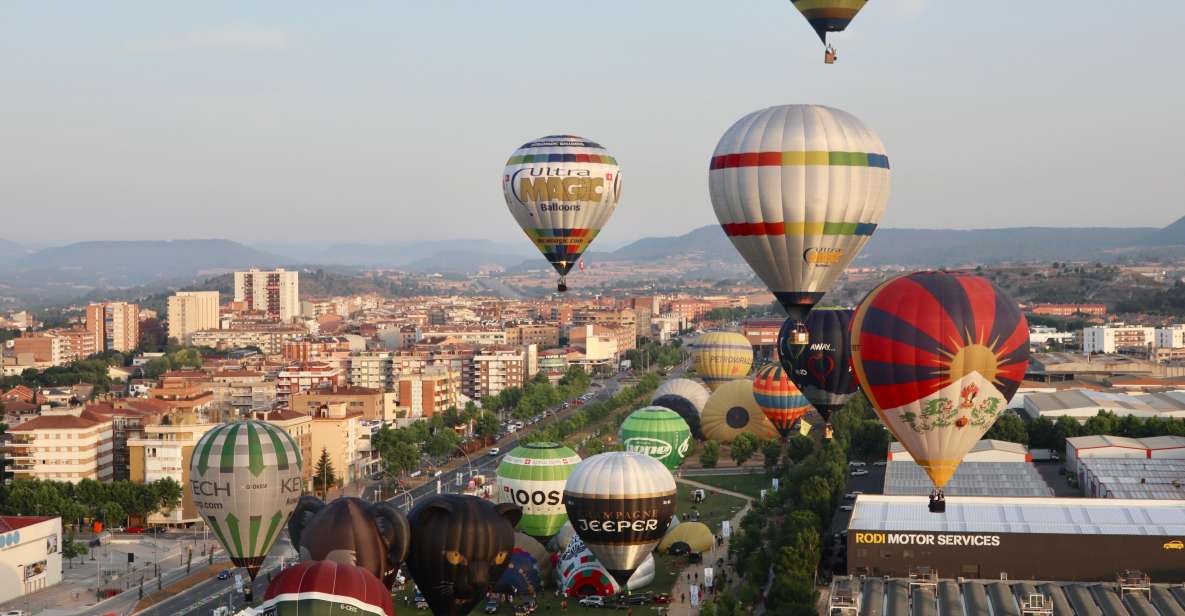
x: 532, y: 476
x: 828, y: 15
x: 939, y: 355
x: 245, y: 479
x: 685, y: 397
x: 657, y: 432
x: 732, y: 411
x: 561, y: 190
x: 822, y: 369
x: 721, y: 357
x: 696, y: 535
x: 325, y: 587
x: 620, y: 504
x: 779, y: 399
x: 799, y: 189
x: 579, y: 573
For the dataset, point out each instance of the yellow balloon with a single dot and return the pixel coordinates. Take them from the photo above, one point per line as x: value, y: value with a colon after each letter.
x: 732, y: 411
x: 721, y: 357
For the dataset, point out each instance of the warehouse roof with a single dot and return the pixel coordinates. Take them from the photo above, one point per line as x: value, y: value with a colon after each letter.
x: 1160, y: 478
x: 1106, y: 440
x: 984, y: 447
x: 1082, y: 403
x: 971, y: 479
x: 1066, y: 516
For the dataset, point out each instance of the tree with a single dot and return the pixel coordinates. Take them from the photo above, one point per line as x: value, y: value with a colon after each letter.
x: 743, y: 448
x: 799, y: 447
x: 441, y: 443
x: 815, y: 495
x: 487, y: 425
x: 1008, y: 427
x: 72, y: 549
x: 111, y: 511
x: 771, y: 450
x: 323, y: 474
x: 710, y: 455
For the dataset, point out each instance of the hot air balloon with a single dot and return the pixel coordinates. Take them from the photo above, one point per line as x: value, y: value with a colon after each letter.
x: 529, y: 545
x: 828, y: 16
x: 821, y: 369
x: 521, y: 576
x: 695, y: 535
x: 375, y: 536
x: 939, y: 355
x: 561, y: 190
x: 779, y: 398
x: 245, y: 479
x: 579, y: 573
x: 732, y: 411
x: 532, y: 476
x: 460, y: 546
x: 799, y: 190
x: 657, y: 432
x: 721, y: 357
x: 325, y: 587
x: 620, y: 504
x: 685, y: 397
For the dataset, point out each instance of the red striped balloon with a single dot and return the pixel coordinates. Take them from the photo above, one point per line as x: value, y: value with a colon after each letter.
x: 779, y: 398
x: 326, y: 587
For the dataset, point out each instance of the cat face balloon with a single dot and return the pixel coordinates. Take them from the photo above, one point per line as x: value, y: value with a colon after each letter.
x: 351, y: 531
x: 460, y: 546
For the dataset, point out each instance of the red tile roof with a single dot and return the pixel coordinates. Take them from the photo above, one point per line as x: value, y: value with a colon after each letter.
x: 84, y: 421
x: 14, y: 522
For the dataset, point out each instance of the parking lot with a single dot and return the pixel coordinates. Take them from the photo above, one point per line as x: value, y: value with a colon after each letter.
x: 872, y: 483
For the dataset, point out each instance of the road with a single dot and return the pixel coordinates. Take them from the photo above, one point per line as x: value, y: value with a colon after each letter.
x: 872, y: 483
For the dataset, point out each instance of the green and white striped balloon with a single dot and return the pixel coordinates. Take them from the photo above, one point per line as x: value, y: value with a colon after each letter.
x: 245, y: 478
x: 532, y: 476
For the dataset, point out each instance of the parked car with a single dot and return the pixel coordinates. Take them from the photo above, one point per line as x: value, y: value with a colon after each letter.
x: 637, y: 598
x: 845, y: 507
x: 224, y: 574
x: 856, y: 464
x: 492, y: 605
x: 593, y: 601
x: 859, y: 473
x: 662, y: 598
x: 135, y: 530
x: 420, y: 601
x: 880, y: 463
x: 494, y: 451
x: 14, y: 613
x: 852, y: 495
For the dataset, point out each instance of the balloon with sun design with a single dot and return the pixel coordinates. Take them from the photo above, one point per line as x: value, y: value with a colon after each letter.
x: 939, y: 355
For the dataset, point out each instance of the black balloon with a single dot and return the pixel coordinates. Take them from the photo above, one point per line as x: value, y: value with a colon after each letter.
x: 685, y: 409
x: 374, y: 536
x: 460, y: 547
x: 822, y: 369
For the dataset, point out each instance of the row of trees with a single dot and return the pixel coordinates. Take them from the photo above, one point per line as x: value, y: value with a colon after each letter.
x: 622, y: 403
x: 746, y: 446
x: 111, y: 502
x: 649, y: 354
x: 93, y: 371
x: 538, y: 394
x: 1044, y: 433
x: 782, y: 536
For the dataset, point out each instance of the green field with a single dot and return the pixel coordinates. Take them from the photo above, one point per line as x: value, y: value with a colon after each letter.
x: 749, y: 485
x: 713, y: 511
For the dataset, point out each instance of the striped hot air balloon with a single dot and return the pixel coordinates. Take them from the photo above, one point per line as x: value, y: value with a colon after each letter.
x: 732, y: 411
x: 822, y: 368
x: 245, y: 479
x: 828, y: 15
x: 657, y: 432
x: 532, y: 476
x: 620, y: 504
x: 721, y: 357
x: 326, y: 588
x: 685, y: 397
x: 939, y: 355
x: 779, y: 398
x: 561, y: 190
x: 799, y: 189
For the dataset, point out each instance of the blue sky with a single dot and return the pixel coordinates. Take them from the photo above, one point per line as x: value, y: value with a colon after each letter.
x: 373, y: 121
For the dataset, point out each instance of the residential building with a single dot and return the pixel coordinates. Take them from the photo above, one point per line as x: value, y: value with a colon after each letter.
x: 41, y: 348
x: 1171, y: 337
x: 479, y: 334
x: 30, y: 556
x: 1116, y: 338
x: 497, y: 369
x: 192, y: 311
x: 598, y: 342
x: 77, y: 343
x: 372, y: 369
x: 367, y: 401
x: 623, y: 317
x: 543, y: 335
x: 62, y: 446
x: 276, y: 292
x: 1068, y: 310
x: 268, y: 339
x: 645, y: 308
x: 303, y: 377
x: 242, y: 392
x: 1040, y: 335
x: 428, y: 393
x: 162, y: 451
x: 336, y: 431
x: 114, y: 326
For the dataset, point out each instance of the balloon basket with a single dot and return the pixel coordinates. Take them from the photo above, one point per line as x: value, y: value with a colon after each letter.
x: 828, y: 431
x: 937, y: 503
x: 562, y: 286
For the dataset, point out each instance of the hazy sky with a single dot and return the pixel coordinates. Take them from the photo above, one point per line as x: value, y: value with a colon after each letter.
x: 373, y: 121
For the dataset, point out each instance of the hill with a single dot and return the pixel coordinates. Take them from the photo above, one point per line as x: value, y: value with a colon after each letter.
x: 11, y: 250
x: 78, y: 268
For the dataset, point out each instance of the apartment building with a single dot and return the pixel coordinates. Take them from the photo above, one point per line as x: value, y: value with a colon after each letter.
x: 300, y: 427
x: 480, y: 335
x: 268, y: 339
x: 428, y: 393
x: 114, y: 326
x: 77, y: 343
x: 61, y: 446
x: 336, y: 430
x: 162, y: 451
x: 303, y: 377
x: 364, y: 400
x: 372, y: 369
x: 543, y: 335
x: 1171, y: 337
x: 1116, y: 338
x: 192, y: 311
x: 498, y: 368
x: 38, y: 348
x: 276, y: 293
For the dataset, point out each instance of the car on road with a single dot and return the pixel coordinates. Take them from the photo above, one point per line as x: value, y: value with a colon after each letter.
x: 856, y: 464
x: 845, y: 507
x: 1175, y: 544
x: 852, y: 495
x: 420, y: 602
x: 494, y: 451
x: 15, y: 613
x: 859, y: 472
x: 492, y: 605
x: 224, y: 574
x: 135, y: 530
x: 880, y: 463
x: 637, y: 598
x: 662, y: 598
x: 593, y: 601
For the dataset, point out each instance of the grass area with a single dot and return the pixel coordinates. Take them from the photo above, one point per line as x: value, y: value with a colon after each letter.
x: 749, y: 485
x: 714, y: 510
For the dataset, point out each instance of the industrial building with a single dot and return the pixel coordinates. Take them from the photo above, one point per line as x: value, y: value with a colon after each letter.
x: 1018, y: 538
x: 1111, y: 447
x: 1084, y: 404
x: 991, y: 468
x: 1128, y: 478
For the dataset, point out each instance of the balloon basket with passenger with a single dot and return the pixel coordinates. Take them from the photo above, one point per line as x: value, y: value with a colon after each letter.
x: 937, y: 502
